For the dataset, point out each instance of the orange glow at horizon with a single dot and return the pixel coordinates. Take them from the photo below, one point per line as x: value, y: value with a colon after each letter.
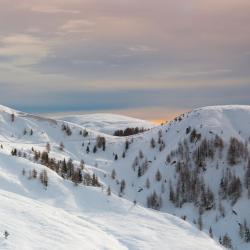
x: 159, y: 121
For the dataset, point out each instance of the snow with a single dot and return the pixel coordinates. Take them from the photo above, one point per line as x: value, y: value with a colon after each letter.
x: 114, y: 221
x: 68, y: 217
x: 106, y: 123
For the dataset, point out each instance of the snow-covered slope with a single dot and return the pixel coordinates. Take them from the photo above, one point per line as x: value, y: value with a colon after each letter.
x: 106, y: 123
x: 65, y: 216
x: 184, y: 168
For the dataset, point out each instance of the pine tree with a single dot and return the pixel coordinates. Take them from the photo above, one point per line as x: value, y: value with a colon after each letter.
x: 87, y: 180
x: 109, y: 191
x: 70, y: 168
x: 171, y: 193
x: 44, y: 178
x: 126, y: 145
x: 135, y: 163
x: 141, y: 155
x: 123, y: 185
x: 64, y: 167
x: 81, y: 164
x: 14, y: 152
x: 61, y: 147
x: 48, y: 148
x: 247, y: 178
x: 241, y: 231
x: 34, y: 173
x: 147, y: 183
x: 85, y: 133
x: 12, y: 117
x: 246, y: 232
x: 158, y: 175
x: 113, y: 174
x: 162, y: 188
x: 211, y: 232
x: 200, y: 223
x: 152, y: 143
x: 139, y: 173
x: 44, y: 158
x: 77, y: 176
x: 154, y: 201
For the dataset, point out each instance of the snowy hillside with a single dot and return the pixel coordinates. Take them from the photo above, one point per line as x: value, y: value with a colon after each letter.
x: 66, y: 216
x: 106, y: 123
x: 195, y: 167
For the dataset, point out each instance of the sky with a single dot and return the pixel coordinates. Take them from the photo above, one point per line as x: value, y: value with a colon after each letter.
x: 148, y: 59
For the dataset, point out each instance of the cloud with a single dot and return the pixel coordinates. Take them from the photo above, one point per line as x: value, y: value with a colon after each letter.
x: 141, y: 49
x: 23, y: 50
x: 50, y: 9
x: 77, y: 25
x: 19, y: 56
x: 82, y: 62
x: 117, y: 44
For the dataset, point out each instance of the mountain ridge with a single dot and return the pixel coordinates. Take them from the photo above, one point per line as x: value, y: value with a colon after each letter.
x: 148, y: 168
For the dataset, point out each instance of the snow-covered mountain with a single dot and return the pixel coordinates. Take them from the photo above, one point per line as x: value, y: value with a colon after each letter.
x: 106, y: 123
x: 195, y: 168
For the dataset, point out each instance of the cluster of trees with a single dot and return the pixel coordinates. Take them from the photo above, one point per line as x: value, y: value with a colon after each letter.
x: 43, y: 176
x: 230, y: 186
x: 140, y: 164
x: 66, y: 129
x: 247, y: 178
x: 15, y: 152
x: 160, y: 141
x: 65, y: 169
x: 126, y: 147
x: 244, y: 231
x: 207, y: 150
x: 25, y: 132
x: 237, y: 151
x: 194, y: 136
x: 190, y: 187
x: 91, y: 180
x: 101, y: 142
x: 181, y: 153
x: 154, y: 201
x: 84, y: 133
x: 122, y: 183
x: 226, y: 241
x: 129, y: 131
